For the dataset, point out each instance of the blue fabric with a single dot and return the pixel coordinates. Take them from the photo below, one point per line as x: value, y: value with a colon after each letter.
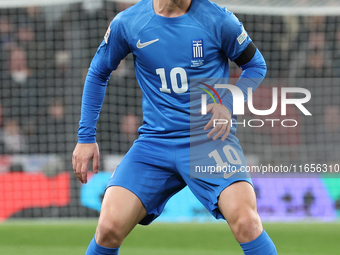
x: 92, y: 101
x: 262, y: 245
x: 253, y: 74
x: 95, y: 249
x: 155, y: 169
x: 164, y: 69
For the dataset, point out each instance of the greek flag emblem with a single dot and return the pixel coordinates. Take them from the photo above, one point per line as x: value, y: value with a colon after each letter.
x: 197, y: 49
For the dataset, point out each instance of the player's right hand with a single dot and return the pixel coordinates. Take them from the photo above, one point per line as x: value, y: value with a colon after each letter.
x: 81, y: 157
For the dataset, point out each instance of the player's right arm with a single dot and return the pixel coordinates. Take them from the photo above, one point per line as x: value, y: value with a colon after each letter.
x: 112, y: 50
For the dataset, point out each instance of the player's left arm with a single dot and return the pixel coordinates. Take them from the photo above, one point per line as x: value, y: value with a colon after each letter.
x: 254, y: 70
x: 239, y: 48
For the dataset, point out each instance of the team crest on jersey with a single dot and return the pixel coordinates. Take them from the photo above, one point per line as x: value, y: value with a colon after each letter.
x: 107, y: 34
x: 197, y: 53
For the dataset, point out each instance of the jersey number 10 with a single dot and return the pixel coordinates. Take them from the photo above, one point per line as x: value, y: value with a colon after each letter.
x: 175, y: 72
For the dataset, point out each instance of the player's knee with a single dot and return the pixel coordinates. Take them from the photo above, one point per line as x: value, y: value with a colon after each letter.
x: 246, y: 226
x: 109, y: 233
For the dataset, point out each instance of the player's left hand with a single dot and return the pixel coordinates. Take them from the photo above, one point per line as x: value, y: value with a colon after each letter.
x: 219, y: 112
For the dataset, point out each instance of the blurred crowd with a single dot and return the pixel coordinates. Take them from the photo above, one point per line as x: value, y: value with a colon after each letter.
x: 44, y: 59
x: 42, y: 69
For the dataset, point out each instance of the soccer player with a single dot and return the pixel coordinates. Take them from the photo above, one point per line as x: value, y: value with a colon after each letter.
x: 174, y: 43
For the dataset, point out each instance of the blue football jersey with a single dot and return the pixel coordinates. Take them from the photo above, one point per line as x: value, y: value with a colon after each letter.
x: 168, y: 54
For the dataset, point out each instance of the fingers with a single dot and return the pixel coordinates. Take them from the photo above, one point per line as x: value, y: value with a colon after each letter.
x: 81, y: 157
x: 76, y: 166
x: 214, y: 129
x: 226, y: 132
x: 83, y: 171
x: 80, y: 170
x: 74, y: 163
x: 211, y: 121
x: 219, y: 130
x: 95, y: 163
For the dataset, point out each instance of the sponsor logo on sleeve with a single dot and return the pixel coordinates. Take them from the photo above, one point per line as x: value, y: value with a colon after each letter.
x: 242, y: 37
x: 107, y: 34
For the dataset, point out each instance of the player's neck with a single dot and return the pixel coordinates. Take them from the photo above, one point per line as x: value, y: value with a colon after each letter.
x: 171, y: 8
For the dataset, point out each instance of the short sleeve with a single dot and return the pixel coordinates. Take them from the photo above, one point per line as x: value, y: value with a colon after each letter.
x: 234, y: 37
x: 115, y: 46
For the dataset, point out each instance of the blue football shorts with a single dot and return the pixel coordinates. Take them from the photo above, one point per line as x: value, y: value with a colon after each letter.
x: 155, y: 169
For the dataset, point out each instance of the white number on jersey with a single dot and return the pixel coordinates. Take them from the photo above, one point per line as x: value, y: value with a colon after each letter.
x: 174, y: 81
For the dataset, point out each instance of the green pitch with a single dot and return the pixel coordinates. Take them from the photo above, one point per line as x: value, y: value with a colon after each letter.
x: 72, y: 237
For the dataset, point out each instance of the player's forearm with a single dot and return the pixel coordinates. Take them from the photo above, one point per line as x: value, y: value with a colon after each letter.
x: 252, y: 76
x: 92, y: 101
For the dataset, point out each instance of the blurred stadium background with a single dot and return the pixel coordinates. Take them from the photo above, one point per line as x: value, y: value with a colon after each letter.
x: 45, y: 50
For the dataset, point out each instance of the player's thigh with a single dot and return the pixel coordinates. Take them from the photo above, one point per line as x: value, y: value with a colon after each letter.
x: 147, y: 171
x: 121, y: 210
x: 237, y: 203
x: 237, y: 198
x: 205, y: 179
